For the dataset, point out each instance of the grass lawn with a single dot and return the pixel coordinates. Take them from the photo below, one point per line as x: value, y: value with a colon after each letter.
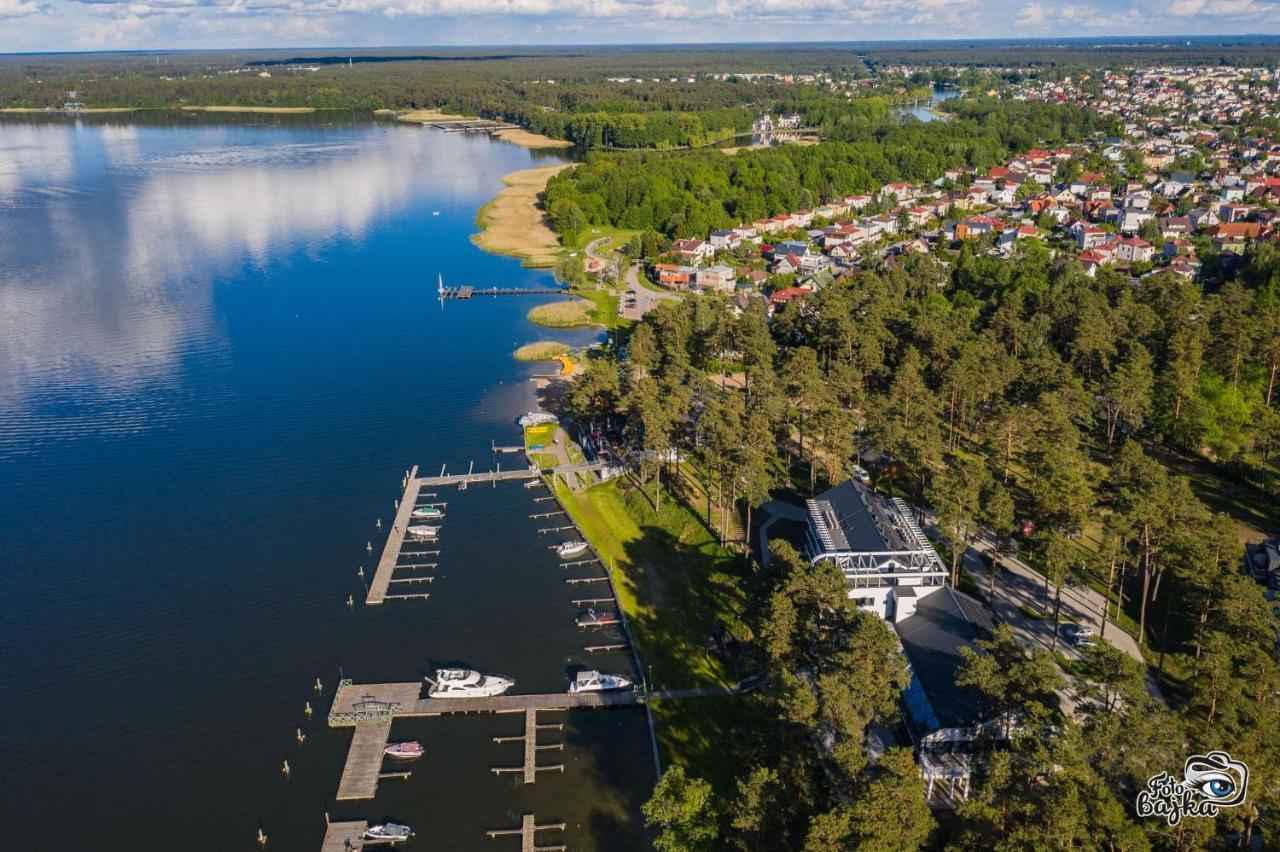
x: 618, y: 238
x: 604, y: 310
x: 540, y: 434
x: 705, y: 736
x: 673, y: 580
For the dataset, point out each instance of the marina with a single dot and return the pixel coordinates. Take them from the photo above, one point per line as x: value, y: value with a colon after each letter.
x: 284, y: 385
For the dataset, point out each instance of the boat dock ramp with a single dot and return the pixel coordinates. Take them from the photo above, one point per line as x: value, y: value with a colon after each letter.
x: 480, y: 125
x: 466, y: 291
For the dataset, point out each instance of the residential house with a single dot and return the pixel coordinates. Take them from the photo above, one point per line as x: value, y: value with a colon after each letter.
x: 691, y: 251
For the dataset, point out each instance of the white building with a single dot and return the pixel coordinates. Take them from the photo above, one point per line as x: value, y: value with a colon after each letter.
x: 888, y: 563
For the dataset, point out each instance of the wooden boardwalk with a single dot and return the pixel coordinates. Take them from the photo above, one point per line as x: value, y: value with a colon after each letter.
x: 367, y: 704
x: 344, y: 837
x: 477, y: 478
x: 395, y: 540
x: 364, y: 762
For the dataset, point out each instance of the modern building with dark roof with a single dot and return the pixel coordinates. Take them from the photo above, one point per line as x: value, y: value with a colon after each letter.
x: 889, y: 563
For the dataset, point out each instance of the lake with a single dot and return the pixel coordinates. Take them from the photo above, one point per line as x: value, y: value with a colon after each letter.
x: 221, y: 350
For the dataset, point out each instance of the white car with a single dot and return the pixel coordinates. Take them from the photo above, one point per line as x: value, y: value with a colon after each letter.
x: 1079, y: 635
x: 860, y: 474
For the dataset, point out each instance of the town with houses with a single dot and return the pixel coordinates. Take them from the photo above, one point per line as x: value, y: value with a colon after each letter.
x: 1176, y: 185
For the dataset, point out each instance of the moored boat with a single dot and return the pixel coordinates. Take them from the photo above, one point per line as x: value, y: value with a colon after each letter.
x: 594, y: 681
x: 571, y: 548
x: 427, y: 513
x: 423, y: 532
x: 466, y: 683
x: 597, y: 617
x: 404, y: 751
x: 388, y: 831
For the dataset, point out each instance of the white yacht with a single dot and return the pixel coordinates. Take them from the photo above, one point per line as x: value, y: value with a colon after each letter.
x: 388, y: 831
x: 424, y: 532
x: 465, y: 683
x: 571, y: 548
x: 427, y: 513
x: 594, y: 681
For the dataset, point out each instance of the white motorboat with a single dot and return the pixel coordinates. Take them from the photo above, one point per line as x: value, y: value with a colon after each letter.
x: 427, y: 513
x: 536, y: 418
x: 465, y: 683
x: 410, y: 750
x: 594, y: 681
x: 571, y: 548
x: 388, y: 831
x: 423, y: 532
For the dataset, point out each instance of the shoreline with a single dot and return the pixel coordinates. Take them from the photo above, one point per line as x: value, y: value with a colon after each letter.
x: 513, y: 222
x: 516, y: 136
x: 262, y: 109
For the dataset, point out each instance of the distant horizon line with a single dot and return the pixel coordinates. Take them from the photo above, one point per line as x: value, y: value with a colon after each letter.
x: 1118, y: 39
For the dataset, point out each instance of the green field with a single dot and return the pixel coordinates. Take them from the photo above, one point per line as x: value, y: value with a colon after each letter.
x: 543, y: 434
x: 673, y: 579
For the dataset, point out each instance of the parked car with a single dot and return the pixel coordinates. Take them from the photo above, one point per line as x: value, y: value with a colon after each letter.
x: 860, y: 474
x: 1079, y: 635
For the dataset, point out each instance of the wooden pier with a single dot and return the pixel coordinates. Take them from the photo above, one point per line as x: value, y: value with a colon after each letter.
x: 530, y: 769
x: 395, y: 540
x: 528, y: 828
x: 344, y: 837
x: 371, y: 704
x: 466, y: 291
x: 364, y: 762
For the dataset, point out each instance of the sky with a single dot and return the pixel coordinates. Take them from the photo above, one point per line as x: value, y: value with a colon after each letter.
x: 43, y: 25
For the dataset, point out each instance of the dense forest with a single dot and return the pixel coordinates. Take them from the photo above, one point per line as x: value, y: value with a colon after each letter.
x: 1135, y: 423
x: 691, y: 194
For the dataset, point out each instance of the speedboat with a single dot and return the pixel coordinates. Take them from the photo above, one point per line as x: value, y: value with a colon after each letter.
x: 404, y: 751
x: 388, y: 831
x: 427, y: 513
x: 597, y: 618
x: 465, y: 683
x: 571, y: 548
x: 594, y: 681
x: 424, y: 532
x: 533, y: 483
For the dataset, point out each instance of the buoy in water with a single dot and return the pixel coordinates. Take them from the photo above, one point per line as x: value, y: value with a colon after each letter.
x: 319, y: 686
x: 262, y: 837
x: 308, y: 710
x: 286, y: 770
x: 351, y: 600
x: 302, y: 738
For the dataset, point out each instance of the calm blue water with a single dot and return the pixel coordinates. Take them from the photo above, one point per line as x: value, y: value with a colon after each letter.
x: 220, y: 349
x: 923, y: 113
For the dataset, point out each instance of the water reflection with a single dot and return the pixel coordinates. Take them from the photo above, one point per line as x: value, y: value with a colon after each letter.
x: 111, y: 236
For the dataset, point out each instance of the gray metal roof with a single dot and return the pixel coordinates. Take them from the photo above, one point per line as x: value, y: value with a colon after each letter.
x: 943, y: 623
x: 850, y: 517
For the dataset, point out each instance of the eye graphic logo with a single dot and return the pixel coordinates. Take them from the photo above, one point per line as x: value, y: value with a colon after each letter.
x: 1210, y: 781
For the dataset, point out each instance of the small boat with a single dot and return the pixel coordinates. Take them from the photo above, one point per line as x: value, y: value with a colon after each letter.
x: 465, y: 683
x: 388, y: 831
x: 404, y: 751
x: 571, y: 548
x: 594, y: 681
x: 597, y: 618
x: 427, y: 513
x: 435, y: 212
x: 533, y: 483
x: 424, y: 532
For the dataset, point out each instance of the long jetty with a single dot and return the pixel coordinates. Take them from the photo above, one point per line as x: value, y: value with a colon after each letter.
x: 466, y: 291
x: 395, y: 540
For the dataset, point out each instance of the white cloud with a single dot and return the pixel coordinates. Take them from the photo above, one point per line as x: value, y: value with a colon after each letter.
x: 21, y: 8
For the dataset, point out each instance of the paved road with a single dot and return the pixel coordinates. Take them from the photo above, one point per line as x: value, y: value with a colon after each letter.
x: 1019, y: 585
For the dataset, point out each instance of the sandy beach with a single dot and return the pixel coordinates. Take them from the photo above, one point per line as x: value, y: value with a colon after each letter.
x: 513, y: 223
x: 523, y: 137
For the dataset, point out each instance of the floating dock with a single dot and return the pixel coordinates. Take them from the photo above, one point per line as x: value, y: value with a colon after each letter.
x: 344, y: 837
x: 530, y: 769
x: 364, y: 762
x: 528, y: 828
x: 395, y: 540
x: 373, y: 703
